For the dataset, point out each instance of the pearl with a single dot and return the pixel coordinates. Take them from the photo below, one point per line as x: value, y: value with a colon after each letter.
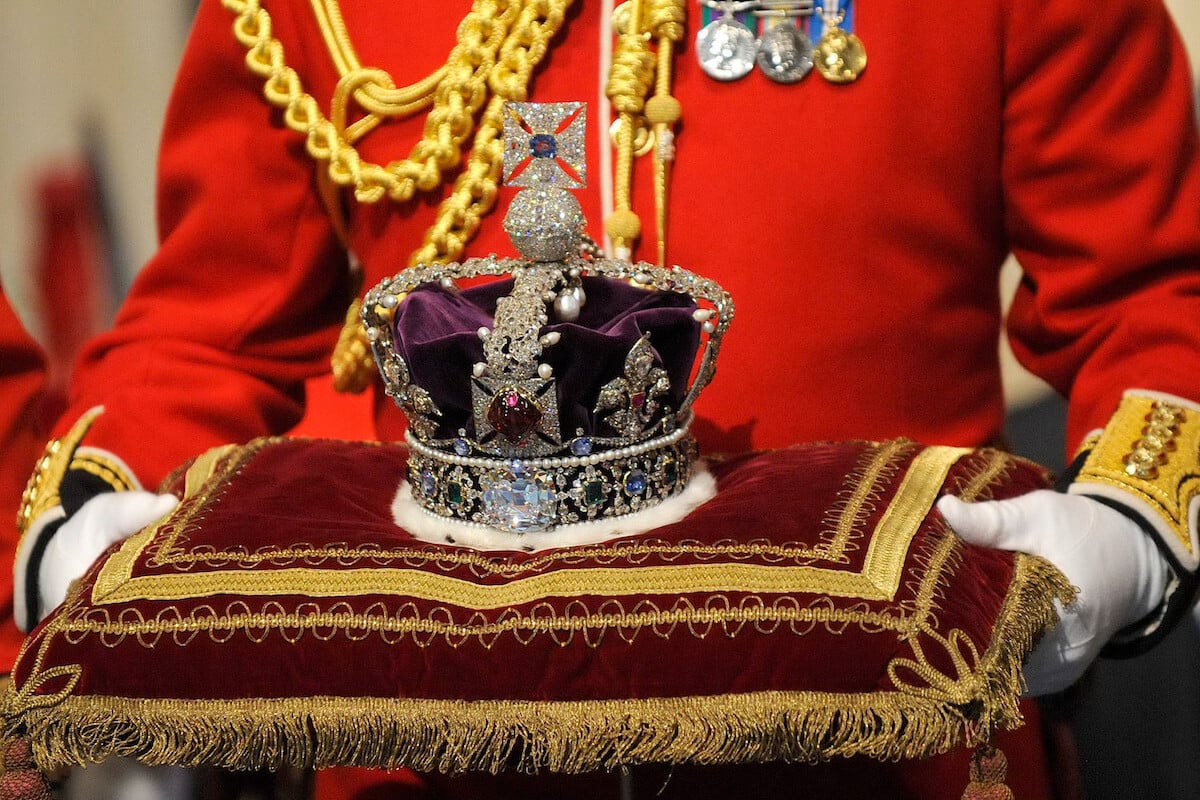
x: 545, y: 371
x: 708, y: 327
x: 550, y: 338
x: 702, y: 314
x: 579, y: 294
x: 483, y: 332
x: 479, y: 369
x: 566, y: 307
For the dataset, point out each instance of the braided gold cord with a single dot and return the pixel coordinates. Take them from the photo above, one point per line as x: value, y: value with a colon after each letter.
x: 379, y: 97
x: 459, y: 96
x: 665, y: 21
x: 499, y: 43
x: 635, y: 67
x: 629, y: 81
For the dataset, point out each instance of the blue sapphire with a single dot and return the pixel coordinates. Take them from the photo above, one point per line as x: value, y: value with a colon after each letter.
x: 542, y: 145
x: 461, y: 447
x: 635, y: 482
x: 428, y: 484
x: 581, y: 446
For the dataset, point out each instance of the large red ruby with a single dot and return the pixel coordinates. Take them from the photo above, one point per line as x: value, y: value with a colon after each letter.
x: 513, y: 414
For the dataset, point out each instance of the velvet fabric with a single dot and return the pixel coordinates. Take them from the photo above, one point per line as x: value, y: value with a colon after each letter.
x: 436, y: 334
x: 281, y: 575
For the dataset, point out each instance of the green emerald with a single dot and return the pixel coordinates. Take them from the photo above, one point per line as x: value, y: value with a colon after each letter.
x: 454, y: 493
x: 593, y: 492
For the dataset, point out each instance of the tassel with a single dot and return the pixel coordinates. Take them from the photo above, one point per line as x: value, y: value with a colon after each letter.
x: 21, y: 779
x: 989, y: 767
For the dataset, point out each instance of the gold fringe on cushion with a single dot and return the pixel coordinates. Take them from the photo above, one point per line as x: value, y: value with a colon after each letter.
x: 578, y: 736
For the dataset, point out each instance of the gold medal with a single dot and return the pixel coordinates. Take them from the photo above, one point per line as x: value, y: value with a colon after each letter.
x: 840, y: 57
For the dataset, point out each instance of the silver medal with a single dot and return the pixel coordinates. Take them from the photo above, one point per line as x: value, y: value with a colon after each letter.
x: 785, y: 53
x: 725, y: 49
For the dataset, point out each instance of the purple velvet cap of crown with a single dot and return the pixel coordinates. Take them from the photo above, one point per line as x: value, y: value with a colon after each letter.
x: 436, y: 333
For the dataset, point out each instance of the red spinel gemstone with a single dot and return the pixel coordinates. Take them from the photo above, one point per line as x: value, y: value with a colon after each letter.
x: 513, y: 415
x: 638, y: 400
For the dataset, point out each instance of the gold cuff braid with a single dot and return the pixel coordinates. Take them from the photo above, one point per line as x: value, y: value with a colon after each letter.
x: 61, y: 456
x: 1150, y: 451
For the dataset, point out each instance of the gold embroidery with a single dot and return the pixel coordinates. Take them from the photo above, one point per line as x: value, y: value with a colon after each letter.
x: 119, y: 566
x: 1150, y: 449
x: 911, y: 721
x: 915, y: 496
x: 978, y: 482
x: 717, y: 614
x: 879, y: 578
x: 865, y: 483
x: 41, y: 493
x: 864, y: 486
x: 943, y: 552
x: 920, y: 717
x: 481, y: 564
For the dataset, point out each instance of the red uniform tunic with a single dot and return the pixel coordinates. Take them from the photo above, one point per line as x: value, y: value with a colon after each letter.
x: 859, y: 228
x: 22, y: 434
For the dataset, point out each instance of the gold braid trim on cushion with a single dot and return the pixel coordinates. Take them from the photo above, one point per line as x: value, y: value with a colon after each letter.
x: 913, y: 720
x: 1148, y: 458
x: 41, y: 493
x: 879, y: 578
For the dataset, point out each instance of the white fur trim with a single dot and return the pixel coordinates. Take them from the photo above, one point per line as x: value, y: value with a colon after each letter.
x: 21, y: 563
x: 410, y: 516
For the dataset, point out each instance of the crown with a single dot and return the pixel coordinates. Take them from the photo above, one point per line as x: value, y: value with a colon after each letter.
x: 562, y: 392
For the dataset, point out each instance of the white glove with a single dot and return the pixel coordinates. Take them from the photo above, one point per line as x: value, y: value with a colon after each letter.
x: 106, y: 518
x: 1117, y: 569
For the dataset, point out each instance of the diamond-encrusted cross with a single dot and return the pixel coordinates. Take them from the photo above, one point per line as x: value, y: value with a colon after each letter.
x: 544, y: 144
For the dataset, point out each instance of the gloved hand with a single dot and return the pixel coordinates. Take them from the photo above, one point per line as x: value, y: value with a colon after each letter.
x: 106, y: 518
x: 1117, y: 569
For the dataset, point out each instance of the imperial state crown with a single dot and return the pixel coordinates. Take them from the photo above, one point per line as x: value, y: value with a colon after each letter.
x: 562, y: 392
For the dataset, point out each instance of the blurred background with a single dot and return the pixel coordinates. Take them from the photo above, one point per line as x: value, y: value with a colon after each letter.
x: 82, y: 92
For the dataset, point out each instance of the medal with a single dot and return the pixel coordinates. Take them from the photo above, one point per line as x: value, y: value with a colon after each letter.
x: 725, y: 47
x: 785, y: 53
x: 840, y: 56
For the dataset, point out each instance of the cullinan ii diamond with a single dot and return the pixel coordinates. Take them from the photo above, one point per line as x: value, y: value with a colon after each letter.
x: 519, y: 501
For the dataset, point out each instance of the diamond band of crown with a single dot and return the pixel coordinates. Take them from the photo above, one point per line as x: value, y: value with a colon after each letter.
x: 564, y: 393
x: 535, y: 495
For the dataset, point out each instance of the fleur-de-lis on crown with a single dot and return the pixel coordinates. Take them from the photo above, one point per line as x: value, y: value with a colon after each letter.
x: 635, y: 395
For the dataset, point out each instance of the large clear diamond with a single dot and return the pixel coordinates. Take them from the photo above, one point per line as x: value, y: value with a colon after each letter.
x: 519, y: 502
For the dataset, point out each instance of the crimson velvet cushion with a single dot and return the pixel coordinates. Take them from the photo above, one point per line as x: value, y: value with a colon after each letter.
x: 817, y: 606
